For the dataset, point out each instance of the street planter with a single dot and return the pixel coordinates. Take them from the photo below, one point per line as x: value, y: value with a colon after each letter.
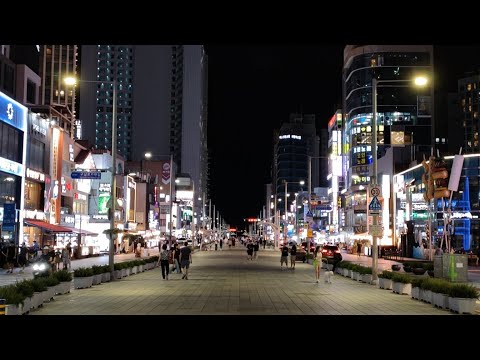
x: 64, y: 287
x: 416, y: 293
x: 37, y: 300
x: 427, y: 296
x: 385, y: 283
x: 106, y: 277
x: 27, y: 305
x: 141, y: 268
x: 402, y: 288
x: 440, y: 300
x: 358, y: 276
x: 117, y: 274
x: 345, y: 272
x: 83, y: 282
x: 133, y: 270
x: 354, y: 274
x: 97, y: 279
x: 367, y: 278
x: 49, y: 294
x: 125, y: 272
x: 11, y: 309
x: 462, y: 305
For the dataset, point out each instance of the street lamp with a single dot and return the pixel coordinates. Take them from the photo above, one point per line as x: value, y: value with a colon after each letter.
x: 72, y: 81
x: 418, y: 81
x: 286, y: 218
x: 148, y: 155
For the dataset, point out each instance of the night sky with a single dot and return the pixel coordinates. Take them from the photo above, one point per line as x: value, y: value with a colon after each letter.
x: 253, y: 89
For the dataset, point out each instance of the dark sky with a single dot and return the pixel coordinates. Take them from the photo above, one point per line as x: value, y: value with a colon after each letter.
x: 252, y: 90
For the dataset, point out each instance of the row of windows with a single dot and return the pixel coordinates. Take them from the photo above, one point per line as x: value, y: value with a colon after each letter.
x: 36, y: 155
x: 11, y: 143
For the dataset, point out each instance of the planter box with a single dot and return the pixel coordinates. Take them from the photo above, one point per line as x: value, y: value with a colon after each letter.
x: 415, y: 293
x: 133, y: 270
x: 462, y: 305
x: 117, y: 274
x: 97, y: 279
x: 345, y: 272
x: 367, y: 278
x: 427, y: 296
x: 27, y: 304
x: 140, y: 268
x: 125, y: 272
x: 48, y: 295
x: 339, y: 271
x: 401, y: 288
x: 64, y: 287
x: 105, y: 277
x: 440, y: 300
x: 11, y: 309
x: 82, y: 282
x: 37, y: 300
x: 353, y: 275
x: 358, y: 276
x: 385, y: 283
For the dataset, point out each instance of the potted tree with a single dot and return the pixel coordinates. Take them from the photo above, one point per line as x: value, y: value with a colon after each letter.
x: 385, y: 280
x: 26, y: 288
x: 401, y: 284
x: 14, y: 299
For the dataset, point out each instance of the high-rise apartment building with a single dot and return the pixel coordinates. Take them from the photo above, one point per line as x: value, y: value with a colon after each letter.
x: 56, y: 63
x: 468, y: 96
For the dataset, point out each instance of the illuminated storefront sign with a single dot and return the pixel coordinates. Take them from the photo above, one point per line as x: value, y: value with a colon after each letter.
x: 11, y: 167
x: 12, y: 112
x: 80, y: 196
x: 104, y: 187
x: 35, y: 175
x: 41, y: 130
x: 34, y: 214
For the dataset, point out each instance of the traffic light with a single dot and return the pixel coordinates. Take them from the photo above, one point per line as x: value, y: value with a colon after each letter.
x: 427, y: 180
x: 440, y: 178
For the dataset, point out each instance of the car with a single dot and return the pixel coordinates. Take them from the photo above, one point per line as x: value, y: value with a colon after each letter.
x: 332, y: 254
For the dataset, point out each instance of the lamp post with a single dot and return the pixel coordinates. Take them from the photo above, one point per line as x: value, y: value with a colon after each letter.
x: 418, y: 81
x: 73, y: 81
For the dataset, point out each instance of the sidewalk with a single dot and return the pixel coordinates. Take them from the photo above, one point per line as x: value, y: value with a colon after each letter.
x: 6, y: 279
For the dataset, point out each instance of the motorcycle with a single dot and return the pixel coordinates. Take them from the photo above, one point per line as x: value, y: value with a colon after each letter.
x: 41, y: 268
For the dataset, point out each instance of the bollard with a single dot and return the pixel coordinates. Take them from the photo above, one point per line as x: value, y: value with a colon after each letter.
x: 2, y: 306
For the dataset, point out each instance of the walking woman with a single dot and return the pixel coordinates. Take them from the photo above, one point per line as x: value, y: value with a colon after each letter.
x: 317, y: 262
x: 163, y: 260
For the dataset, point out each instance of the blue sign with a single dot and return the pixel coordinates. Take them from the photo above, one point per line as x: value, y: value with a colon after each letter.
x: 12, y: 112
x: 324, y: 207
x: 86, y: 175
x: 309, y: 214
x: 9, y: 217
x: 375, y: 205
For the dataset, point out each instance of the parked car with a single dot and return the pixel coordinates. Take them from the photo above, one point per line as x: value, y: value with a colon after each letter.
x: 332, y: 254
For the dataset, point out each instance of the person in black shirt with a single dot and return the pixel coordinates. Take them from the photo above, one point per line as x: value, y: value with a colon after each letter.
x: 185, y: 260
x: 293, y: 256
x: 284, y: 257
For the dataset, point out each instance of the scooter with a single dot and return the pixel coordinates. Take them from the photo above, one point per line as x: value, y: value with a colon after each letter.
x: 41, y: 268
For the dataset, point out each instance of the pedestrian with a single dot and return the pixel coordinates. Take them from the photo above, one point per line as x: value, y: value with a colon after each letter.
x: 163, y: 260
x: 317, y: 262
x: 293, y: 256
x: 359, y: 248
x: 284, y: 256
x: 249, y: 251
x: 255, y: 250
x: 221, y: 244
x: 185, y: 260
x: 22, y: 257
x: 65, y: 258
x: 216, y: 245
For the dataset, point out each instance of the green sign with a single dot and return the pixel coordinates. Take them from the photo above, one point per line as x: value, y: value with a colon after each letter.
x: 103, y: 199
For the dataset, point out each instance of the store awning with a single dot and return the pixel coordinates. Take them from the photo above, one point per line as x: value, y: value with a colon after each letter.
x: 47, y: 226
x: 82, y: 231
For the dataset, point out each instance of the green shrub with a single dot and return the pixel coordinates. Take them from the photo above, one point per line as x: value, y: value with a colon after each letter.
x: 118, y: 266
x: 419, y: 282
x: 462, y: 291
x: 12, y: 295
x: 97, y: 269
x: 428, y: 266
x: 105, y: 268
x: 83, y: 272
x: 63, y: 275
x: 26, y: 288
x: 385, y: 274
x: 51, y: 281
x: 402, y: 278
x: 440, y: 286
x: 39, y: 284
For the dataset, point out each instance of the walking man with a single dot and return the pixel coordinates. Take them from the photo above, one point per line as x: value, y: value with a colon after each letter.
x: 185, y: 260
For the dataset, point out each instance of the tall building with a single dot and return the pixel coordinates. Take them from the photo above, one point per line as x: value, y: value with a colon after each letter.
x: 107, y: 63
x: 404, y: 117
x: 468, y: 96
x: 188, y: 119
x: 162, y: 103
x: 293, y: 144
x: 58, y: 99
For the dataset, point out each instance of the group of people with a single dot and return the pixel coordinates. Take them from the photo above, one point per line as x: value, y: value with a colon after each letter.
x: 292, y: 251
x: 179, y: 257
